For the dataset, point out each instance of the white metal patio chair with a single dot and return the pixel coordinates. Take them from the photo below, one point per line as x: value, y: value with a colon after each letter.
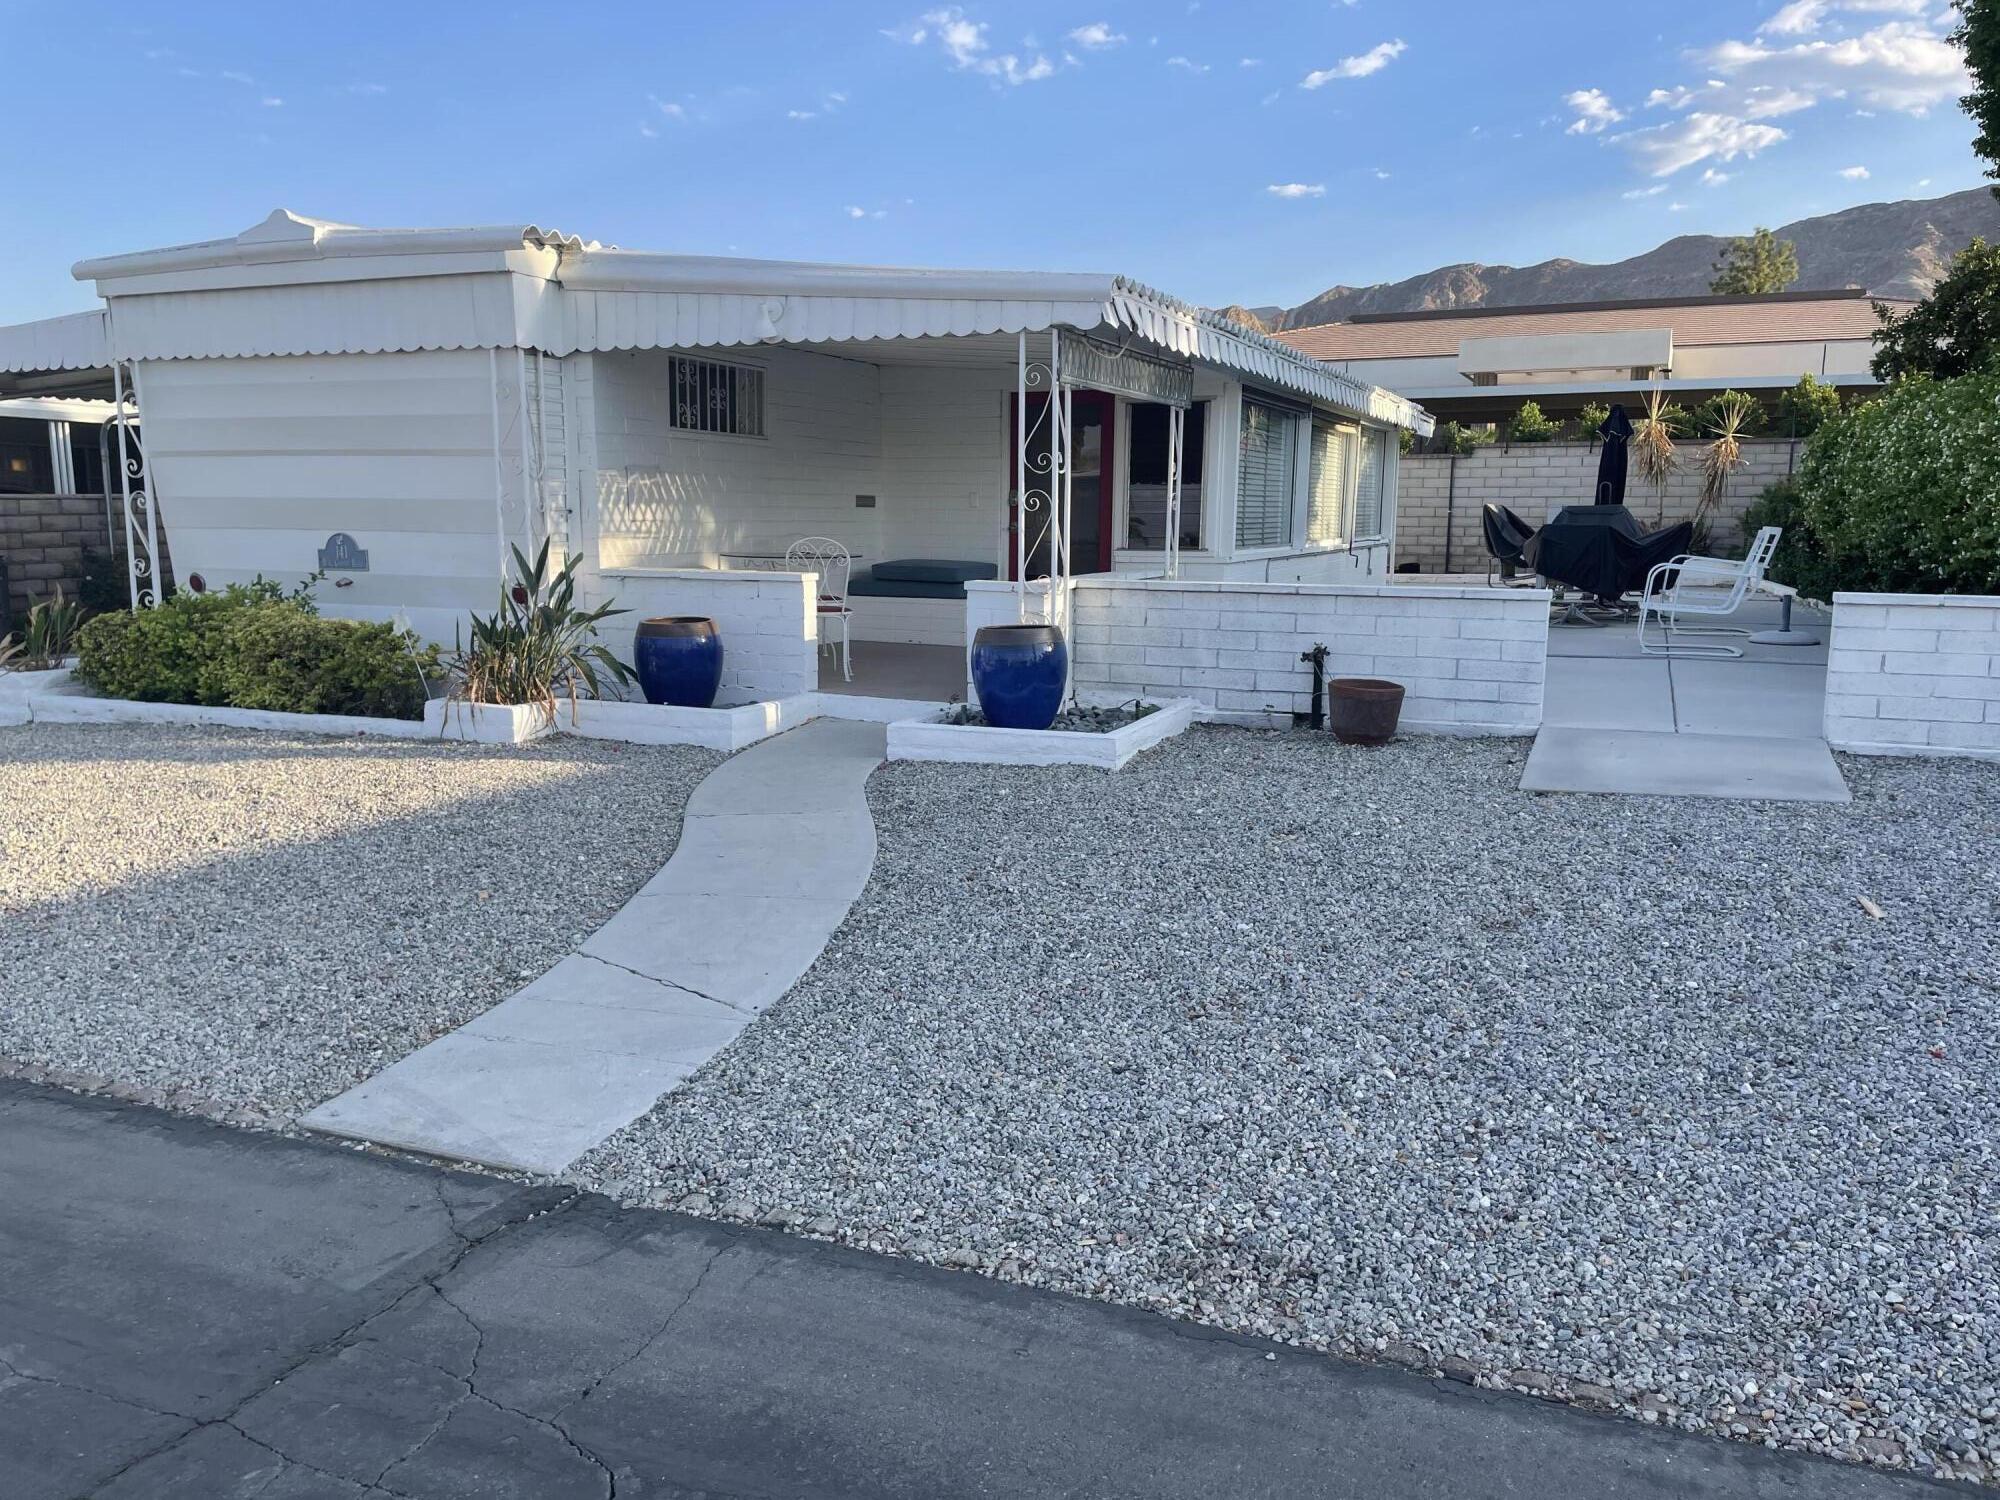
x: 828, y: 558
x: 1706, y: 588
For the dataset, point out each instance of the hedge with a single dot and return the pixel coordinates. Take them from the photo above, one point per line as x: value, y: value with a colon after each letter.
x: 244, y: 649
x: 1902, y: 494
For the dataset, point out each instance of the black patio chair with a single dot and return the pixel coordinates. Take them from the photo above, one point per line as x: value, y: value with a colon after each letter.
x: 1505, y: 535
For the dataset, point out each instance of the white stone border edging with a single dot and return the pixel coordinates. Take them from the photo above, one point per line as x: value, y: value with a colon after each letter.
x: 1914, y: 674
x: 979, y: 744
x: 55, y: 697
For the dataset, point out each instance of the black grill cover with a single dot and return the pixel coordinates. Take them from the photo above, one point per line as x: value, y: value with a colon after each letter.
x: 1602, y: 550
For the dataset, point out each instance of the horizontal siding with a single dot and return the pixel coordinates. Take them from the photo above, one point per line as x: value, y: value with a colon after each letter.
x: 257, y: 461
x: 945, y: 462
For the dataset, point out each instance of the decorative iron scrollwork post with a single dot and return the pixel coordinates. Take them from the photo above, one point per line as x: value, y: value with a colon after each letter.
x: 142, y: 528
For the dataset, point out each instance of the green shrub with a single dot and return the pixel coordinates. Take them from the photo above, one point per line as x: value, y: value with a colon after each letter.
x: 154, y: 655
x: 1806, y: 407
x: 1902, y: 494
x: 1592, y: 417
x: 250, y: 647
x: 276, y: 656
x: 1530, y: 426
x: 1712, y: 415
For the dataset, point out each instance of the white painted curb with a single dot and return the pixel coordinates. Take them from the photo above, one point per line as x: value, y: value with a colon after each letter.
x: 925, y: 739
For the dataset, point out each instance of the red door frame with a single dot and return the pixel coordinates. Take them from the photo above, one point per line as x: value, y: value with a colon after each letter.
x: 1107, y: 407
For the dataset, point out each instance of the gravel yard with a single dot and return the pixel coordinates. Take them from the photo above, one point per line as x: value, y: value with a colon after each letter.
x: 1625, y: 1101
x: 262, y: 921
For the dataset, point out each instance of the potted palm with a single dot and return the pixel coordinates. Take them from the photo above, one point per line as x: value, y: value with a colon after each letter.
x: 537, y: 648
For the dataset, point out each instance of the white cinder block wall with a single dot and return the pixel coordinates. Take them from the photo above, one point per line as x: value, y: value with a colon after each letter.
x: 661, y: 497
x: 1472, y: 660
x: 767, y: 622
x: 1914, y: 674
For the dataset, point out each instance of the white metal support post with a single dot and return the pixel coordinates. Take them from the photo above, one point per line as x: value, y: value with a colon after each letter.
x: 1176, y: 439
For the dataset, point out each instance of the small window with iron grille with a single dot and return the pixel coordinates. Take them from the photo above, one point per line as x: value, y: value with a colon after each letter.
x: 710, y: 396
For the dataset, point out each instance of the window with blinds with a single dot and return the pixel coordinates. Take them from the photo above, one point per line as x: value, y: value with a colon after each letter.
x: 1265, y: 477
x: 1372, y: 475
x: 1332, y: 468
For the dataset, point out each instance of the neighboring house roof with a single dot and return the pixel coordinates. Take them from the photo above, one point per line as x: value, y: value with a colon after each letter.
x: 1788, y: 318
x: 293, y: 285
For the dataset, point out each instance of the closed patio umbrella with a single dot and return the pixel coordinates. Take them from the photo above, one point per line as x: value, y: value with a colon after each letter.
x: 1616, y: 430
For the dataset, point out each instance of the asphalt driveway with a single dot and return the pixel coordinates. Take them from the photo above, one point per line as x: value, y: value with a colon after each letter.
x: 192, y: 1311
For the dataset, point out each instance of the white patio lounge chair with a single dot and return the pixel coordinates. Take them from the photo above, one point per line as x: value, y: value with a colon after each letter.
x: 835, y: 566
x: 1706, y: 588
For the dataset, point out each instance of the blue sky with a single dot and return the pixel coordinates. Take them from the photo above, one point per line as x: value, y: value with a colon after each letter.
x: 1232, y: 150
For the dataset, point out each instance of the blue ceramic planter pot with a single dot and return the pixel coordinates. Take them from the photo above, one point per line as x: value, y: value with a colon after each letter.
x: 1019, y: 672
x: 679, y: 660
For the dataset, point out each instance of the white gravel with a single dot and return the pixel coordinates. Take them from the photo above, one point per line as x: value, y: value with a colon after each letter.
x: 257, y: 922
x: 1624, y: 1101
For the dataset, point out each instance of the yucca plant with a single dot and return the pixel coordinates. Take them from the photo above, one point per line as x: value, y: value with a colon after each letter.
x: 48, y: 638
x: 1652, y: 445
x: 1724, y: 455
x: 539, y: 646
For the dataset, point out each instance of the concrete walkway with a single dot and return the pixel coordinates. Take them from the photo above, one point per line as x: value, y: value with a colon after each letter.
x: 189, y: 1312
x: 776, y: 845
x: 1616, y: 720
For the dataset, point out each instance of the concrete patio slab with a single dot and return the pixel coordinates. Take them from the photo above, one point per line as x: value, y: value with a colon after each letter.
x: 1604, y: 693
x: 775, y: 846
x: 1638, y: 763
x: 1784, y: 699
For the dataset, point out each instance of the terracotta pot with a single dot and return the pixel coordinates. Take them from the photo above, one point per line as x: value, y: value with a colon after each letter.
x: 1363, y: 710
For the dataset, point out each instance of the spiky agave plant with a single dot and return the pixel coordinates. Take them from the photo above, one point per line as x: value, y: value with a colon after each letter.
x: 539, y: 646
x: 48, y: 637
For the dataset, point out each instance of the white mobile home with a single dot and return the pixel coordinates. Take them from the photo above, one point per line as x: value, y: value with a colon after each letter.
x: 408, y: 405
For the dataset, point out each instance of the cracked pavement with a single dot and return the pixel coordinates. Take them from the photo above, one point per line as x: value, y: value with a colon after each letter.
x: 190, y: 1312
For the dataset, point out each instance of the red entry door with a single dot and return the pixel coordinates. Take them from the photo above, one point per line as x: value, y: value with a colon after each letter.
x: 1090, y: 445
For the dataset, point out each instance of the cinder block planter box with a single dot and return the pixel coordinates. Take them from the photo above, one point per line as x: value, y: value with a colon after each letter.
x: 478, y: 723
x: 726, y: 729
x: 979, y: 744
x: 61, y: 699
x: 17, y: 685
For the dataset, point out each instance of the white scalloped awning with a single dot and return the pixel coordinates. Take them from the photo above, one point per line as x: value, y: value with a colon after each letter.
x: 293, y: 285
x: 75, y: 341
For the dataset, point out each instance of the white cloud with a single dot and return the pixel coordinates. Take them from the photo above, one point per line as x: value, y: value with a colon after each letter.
x: 965, y: 42
x: 1594, y: 112
x: 1900, y: 65
x: 1662, y: 150
x: 271, y: 101
x: 1374, y: 60
x: 1713, y: 178
x: 1187, y: 65
x: 1767, y: 101
x: 801, y: 114
x: 1854, y: 174
x: 1676, y: 208
x: 1297, y: 190
x: 235, y: 77
x: 1634, y: 194
x: 1381, y: 174
x: 368, y: 88
x: 649, y: 132
x: 856, y: 211
x: 1804, y: 17
x: 1096, y: 36
x: 668, y: 108
x: 1249, y: 62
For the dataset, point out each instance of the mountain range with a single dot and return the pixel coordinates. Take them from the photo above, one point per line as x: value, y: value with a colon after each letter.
x: 1891, y: 249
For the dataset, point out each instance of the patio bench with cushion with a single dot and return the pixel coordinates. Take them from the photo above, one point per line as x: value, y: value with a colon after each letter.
x: 919, y: 578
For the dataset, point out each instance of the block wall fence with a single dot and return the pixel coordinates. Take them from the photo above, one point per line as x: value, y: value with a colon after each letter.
x: 1532, y: 479
x: 1472, y: 660
x: 1914, y: 674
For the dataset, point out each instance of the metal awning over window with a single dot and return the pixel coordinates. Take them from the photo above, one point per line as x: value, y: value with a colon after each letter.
x: 1123, y: 372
